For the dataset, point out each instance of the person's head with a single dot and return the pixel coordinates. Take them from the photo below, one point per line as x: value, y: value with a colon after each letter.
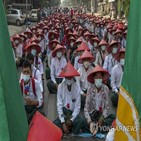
x: 122, y: 58
x: 86, y: 62
x: 59, y: 53
x: 69, y: 80
x: 26, y: 71
x: 30, y: 58
x: 98, y: 78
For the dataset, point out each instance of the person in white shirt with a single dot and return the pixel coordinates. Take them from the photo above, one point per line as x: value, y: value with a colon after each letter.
x: 35, y: 49
x: 31, y: 91
x: 18, y: 48
x: 68, y: 103
x: 83, y: 46
x: 101, y: 53
x: 86, y: 59
x: 58, y: 62
x: 116, y: 76
x: 123, y: 42
x: 110, y: 60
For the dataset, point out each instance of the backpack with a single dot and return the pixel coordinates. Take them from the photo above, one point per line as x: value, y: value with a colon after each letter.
x: 33, y: 85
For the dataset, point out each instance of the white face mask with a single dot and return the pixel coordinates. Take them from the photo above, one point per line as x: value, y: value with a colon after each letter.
x: 34, y: 52
x: 122, y: 61
x: 25, y: 77
x: 71, y: 44
x: 34, y: 31
x: 39, y: 38
x: 98, y: 82
x: 22, y: 38
x: 95, y: 44
x: 26, y: 35
x: 114, y: 51
x: 103, y: 47
x: 16, y: 41
x: 86, y: 64
x: 45, y: 31
x: 59, y: 54
x: 69, y: 82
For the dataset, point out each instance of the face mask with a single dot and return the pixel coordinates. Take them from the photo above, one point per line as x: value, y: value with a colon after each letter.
x: 114, y: 51
x: 45, y: 31
x: 98, y: 82
x: 16, y: 41
x: 103, y: 47
x: 34, y: 52
x: 122, y: 61
x: 34, y: 31
x: 26, y: 35
x: 25, y: 77
x: 71, y: 44
x: 69, y: 82
x: 52, y: 37
x: 39, y: 38
x: 86, y: 64
x: 95, y: 44
x: 59, y: 54
x: 22, y: 38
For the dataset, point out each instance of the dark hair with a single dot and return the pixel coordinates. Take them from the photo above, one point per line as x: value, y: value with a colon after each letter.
x: 26, y: 64
x: 30, y: 57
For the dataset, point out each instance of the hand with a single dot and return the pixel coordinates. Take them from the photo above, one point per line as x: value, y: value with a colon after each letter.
x: 84, y: 94
x: 65, y: 128
x: 28, y: 101
x: 69, y: 124
x: 56, y: 85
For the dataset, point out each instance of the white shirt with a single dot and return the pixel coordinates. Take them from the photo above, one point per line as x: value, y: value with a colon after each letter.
x: 31, y: 94
x: 37, y: 75
x: 19, y: 50
x: 98, y: 60
x: 76, y: 64
x: 57, y: 66
x: 64, y: 97
x: 110, y: 135
x: 116, y: 77
x: 82, y: 79
x: 42, y: 45
x: 49, y: 58
x: 123, y: 43
x: 39, y: 65
x: 109, y: 63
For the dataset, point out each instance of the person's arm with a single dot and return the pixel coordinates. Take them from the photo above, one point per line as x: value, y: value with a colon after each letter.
x: 113, y: 80
x: 77, y: 105
x: 53, y: 71
x: 41, y: 68
x: 60, y: 104
x: 105, y: 65
x: 105, y: 101
x: 87, y: 106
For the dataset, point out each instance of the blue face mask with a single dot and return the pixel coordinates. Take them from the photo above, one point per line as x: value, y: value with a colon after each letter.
x: 98, y: 82
x: 114, y: 51
x: 26, y: 78
x: 34, y: 52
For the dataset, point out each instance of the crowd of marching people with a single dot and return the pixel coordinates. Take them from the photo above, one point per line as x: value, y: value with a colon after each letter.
x: 82, y: 57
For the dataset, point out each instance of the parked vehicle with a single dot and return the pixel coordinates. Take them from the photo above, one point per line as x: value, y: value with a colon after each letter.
x: 33, y: 15
x: 15, y: 16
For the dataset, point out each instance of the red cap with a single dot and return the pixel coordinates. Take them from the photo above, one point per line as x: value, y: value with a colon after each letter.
x: 102, y: 42
x: 98, y: 68
x: 16, y: 37
x: 86, y: 55
x: 33, y: 45
x: 82, y: 47
x: 118, y: 31
x: 117, y: 57
x: 69, y: 71
x: 58, y: 47
x: 51, y: 42
x: 52, y: 33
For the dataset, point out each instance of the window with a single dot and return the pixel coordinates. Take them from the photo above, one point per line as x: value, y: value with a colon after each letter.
x: 14, y: 12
